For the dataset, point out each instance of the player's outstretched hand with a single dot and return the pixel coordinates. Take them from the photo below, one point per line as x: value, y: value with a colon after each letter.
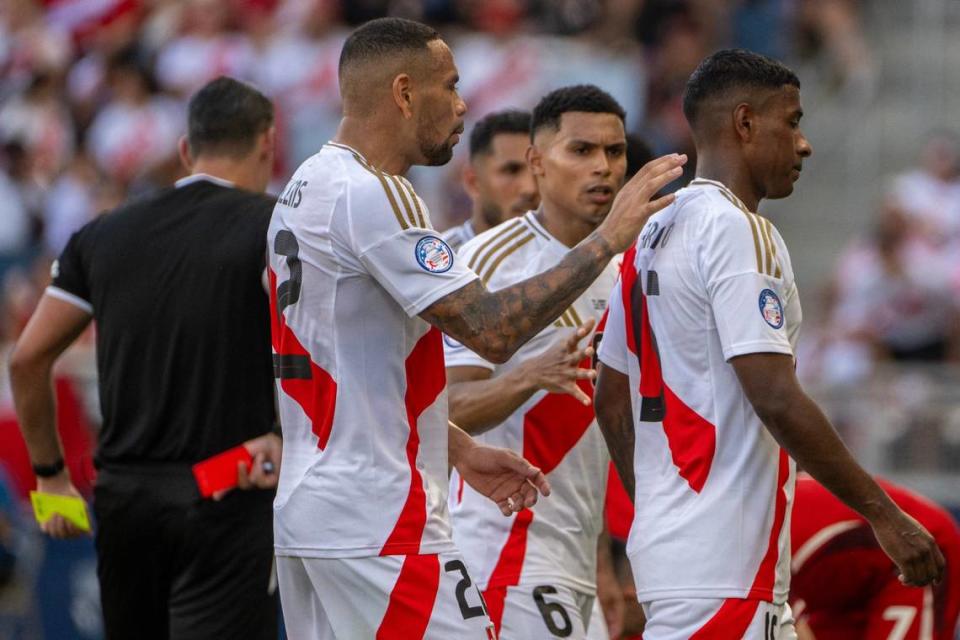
x: 57, y: 526
x: 503, y: 476
x: 633, y: 205
x: 558, y: 369
x: 912, y: 549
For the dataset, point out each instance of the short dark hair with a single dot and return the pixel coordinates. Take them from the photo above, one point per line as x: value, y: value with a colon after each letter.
x: 492, y: 124
x: 639, y: 153
x: 733, y: 69
x: 581, y: 97
x: 226, y: 116
x: 385, y: 37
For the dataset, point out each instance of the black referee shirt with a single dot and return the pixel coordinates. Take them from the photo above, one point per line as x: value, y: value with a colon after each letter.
x: 174, y: 283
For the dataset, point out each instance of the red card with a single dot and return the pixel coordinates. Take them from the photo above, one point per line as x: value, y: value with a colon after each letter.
x: 220, y: 471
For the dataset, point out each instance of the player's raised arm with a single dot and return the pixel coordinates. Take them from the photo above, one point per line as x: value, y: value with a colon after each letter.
x: 480, y: 401
x: 798, y: 424
x: 495, y: 325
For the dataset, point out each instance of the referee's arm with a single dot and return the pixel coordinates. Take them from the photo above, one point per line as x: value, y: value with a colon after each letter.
x: 53, y: 327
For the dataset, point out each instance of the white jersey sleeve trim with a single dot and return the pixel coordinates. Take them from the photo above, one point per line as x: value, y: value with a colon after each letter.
x: 463, y: 357
x: 613, y: 361
x: 418, y: 306
x: 757, y: 346
x: 66, y: 296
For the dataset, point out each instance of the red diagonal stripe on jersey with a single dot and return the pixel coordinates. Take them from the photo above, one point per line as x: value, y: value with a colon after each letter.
x: 628, y: 276
x: 767, y: 573
x: 554, y: 425
x: 691, y: 438
x: 316, y: 396
x: 506, y: 573
x: 730, y: 621
x: 426, y: 378
x: 411, y: 601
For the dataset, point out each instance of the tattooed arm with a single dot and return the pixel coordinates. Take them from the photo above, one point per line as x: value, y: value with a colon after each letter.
x: 615, y: 417
x: 495, y: 325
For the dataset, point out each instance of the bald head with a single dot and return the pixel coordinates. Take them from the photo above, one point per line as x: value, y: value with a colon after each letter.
x: 728, y: 78
x: 375, y: 53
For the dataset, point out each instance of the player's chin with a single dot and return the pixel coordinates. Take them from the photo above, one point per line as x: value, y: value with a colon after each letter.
x: 781, y: 191
x: 439, y: 155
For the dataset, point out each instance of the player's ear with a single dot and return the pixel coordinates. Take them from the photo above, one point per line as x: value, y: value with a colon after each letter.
x: 535, y: 159
x: 268, y: 142
x: 403, y: 94
x: 469, y: 179
x: 183, y: 148
x: 744, y: 121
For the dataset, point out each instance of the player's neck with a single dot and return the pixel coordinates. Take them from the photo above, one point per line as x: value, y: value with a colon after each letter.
x: 732, y: 175
x: 564, y: 226
x: 478, y: 222
x: 244, y: 174
x: 377, y: 144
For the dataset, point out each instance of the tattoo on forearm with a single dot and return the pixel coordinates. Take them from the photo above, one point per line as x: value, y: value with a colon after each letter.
x: 496, y: 324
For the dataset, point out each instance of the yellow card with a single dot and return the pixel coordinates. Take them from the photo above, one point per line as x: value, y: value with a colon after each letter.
x: 45, y: 505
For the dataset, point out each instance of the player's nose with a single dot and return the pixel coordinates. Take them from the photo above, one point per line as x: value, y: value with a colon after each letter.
x: 804, y: 148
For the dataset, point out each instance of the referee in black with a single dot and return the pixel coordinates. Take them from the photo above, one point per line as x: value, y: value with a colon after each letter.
x: 175, y: 285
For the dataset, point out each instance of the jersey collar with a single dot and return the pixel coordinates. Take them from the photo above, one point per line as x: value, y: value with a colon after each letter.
x: 701, y: 182
x: 552, y: 242
x: 198, y: 177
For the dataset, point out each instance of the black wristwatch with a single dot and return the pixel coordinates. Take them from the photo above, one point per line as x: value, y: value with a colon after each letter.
x: 48, y: 470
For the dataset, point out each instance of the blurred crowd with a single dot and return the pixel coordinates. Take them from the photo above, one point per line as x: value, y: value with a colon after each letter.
x: 895, y: 292
x: 93, y: 92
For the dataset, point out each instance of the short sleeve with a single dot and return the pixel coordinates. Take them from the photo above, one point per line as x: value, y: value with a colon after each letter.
x: 394, y: 240
x: 613, y: 350
x: 743, y: 277
x: 69, y: 275
x: 457, y: 355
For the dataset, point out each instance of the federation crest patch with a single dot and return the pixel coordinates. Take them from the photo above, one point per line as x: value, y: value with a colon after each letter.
x: 771, y: 309
x: 434, y: 255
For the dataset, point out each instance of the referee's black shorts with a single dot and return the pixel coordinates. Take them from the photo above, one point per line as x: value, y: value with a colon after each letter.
x: 172, y: 565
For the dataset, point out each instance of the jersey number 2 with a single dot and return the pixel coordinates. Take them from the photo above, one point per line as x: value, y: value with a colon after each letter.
x: 286, y: 366
x: 466, y: 609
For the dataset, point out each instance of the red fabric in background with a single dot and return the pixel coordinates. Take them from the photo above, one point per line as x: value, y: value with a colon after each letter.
x: 75, y: 434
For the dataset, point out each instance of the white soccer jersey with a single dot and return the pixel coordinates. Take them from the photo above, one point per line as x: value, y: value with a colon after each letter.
x: 459, y: 235
x: 362, y: 386
x: 713, y: 489
x: 556, y: 542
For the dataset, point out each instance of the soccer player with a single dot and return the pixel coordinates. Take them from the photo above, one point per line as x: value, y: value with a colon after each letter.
x: 845, y: 586
x: 497, y: 178
x: 697, y: 395
x: 362, y: 288
x: 174, y: 283
x: 538, y: 569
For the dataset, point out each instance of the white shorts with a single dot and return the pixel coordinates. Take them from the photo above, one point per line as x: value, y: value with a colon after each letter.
x: 707, y: 619
x: 529, y: 612
x: 383, y: 598
x: 597, y: 627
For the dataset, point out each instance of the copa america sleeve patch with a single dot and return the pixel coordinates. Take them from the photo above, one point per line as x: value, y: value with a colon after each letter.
x: 434, y: 255
x: 771, y: 308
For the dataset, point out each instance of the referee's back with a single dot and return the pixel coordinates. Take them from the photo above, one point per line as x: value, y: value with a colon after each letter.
x: 174, y: 283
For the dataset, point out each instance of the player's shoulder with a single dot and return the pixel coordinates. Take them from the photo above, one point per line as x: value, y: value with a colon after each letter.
x: 499, y: 251
x: 369, y: 189
x: 725, y: 226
